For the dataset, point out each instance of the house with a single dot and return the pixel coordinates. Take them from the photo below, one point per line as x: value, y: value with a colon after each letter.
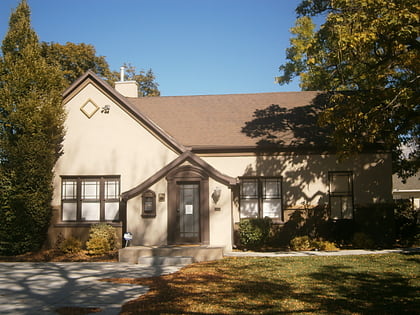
x: 410, y: 189
x: 187, y: 169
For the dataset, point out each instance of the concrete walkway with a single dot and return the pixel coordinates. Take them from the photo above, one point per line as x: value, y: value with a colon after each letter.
x: 41, y: 288
x: 320, y: 253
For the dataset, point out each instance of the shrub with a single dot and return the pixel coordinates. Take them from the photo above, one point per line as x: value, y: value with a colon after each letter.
x: 70, y: 245
x: 102, y: 239
x: 300, y: 243
x: 406, y: 226
x: 323, y: 245
x: 254, y: 233
x: 305, y: 243
x: 362, y: 240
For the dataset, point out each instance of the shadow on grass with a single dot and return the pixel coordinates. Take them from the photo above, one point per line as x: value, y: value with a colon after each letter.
x: 310, y: 285
x: 361, y: 292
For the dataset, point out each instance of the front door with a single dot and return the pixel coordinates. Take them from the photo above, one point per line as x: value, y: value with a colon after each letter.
x: 188, y: 213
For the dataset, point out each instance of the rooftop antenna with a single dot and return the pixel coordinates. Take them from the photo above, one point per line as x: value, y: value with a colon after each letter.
x: 122, y: 74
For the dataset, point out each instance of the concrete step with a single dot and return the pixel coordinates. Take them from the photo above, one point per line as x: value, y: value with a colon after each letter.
x: 165, y: 260
x: 132, y: 254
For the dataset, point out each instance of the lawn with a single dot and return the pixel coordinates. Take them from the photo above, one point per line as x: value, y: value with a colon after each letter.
x: 374, y: 284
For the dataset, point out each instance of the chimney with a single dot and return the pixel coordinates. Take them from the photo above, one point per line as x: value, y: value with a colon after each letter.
x: 126, y: 88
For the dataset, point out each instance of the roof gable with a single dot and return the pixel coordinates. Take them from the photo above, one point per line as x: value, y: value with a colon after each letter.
x: 187, y: 156
x: 91, y: 78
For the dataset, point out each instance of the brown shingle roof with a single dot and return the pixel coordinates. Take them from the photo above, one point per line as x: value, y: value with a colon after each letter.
x: 220, y: 120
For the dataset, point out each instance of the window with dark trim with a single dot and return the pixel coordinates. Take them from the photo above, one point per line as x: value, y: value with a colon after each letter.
x: 341, y: 195
x: 93, y: 199
x: 148, y: 204
x: 260, y: 197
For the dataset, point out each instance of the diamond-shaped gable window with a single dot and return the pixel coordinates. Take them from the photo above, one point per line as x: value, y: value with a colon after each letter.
x: 89, y: 108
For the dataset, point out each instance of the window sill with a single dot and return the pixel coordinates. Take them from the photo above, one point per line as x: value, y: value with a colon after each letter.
x: 152, y: 215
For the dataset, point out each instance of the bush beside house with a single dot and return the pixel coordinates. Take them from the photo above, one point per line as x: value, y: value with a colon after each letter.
x: 374, y: 226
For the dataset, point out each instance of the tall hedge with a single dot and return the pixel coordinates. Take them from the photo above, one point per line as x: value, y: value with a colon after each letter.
x: 31, y: 133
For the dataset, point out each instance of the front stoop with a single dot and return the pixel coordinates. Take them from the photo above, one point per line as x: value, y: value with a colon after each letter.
x: 169, y: 255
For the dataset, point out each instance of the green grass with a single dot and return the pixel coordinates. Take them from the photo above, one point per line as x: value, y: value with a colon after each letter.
x: 369, y: 284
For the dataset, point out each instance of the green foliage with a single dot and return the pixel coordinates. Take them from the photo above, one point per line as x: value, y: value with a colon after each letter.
x: 377, y: 222
x: 254, y: 233
x: 102, y: 239
x: 407, y: 229
x: 31, y: 133
x: 70, y: 245
x: 75, y: 59
x: 363, y: 241
x: 371, y: 48
x: 145, y: 79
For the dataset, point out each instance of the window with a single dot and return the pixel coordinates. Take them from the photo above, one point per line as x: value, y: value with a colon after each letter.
x: 90, y: 198
x: 148, y: 204
x: 341, y: 195
x: 260, y: 197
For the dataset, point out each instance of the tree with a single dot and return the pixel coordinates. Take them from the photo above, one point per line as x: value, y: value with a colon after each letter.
x: 146, y: 80
x: 75, y: 59
x: 31, y: 133
x: 365, y: 55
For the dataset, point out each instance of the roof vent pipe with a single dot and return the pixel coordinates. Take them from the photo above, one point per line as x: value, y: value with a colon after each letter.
x: 122, y: 74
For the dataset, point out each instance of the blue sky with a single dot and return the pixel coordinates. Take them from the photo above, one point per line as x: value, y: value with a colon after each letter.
x: 194, y: 47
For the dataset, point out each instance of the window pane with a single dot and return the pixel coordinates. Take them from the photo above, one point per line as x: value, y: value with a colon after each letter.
x: 347, y: 207
x: 112, y: 211
x: 335, y: 208
x: 271, y: 188
x: 249, y: 208
x: 148, y: 204
x: 69, y: 189
x: 69, y: 211
x: 272, y: 208
x: 340, y: 183
x: 90, y: 211
x: 112, y: 189
x: 249, y: 188
x: 90, y: 190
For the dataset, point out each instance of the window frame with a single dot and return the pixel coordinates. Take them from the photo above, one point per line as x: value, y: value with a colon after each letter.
x: 261, y: 195
x: 102, y: 197
x: 341, y: 195
x: 144, y: 199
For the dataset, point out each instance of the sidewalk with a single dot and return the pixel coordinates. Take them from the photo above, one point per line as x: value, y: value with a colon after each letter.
x: 41, y: 288
x: 319, y: 253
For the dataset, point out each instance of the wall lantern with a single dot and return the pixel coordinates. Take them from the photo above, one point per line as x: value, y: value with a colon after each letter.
x: 216, y: 194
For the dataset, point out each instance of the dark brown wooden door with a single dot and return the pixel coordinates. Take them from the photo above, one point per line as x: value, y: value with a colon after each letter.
x: 188, y: 213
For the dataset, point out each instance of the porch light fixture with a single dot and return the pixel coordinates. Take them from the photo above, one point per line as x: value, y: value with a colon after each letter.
x: 216, y: 194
